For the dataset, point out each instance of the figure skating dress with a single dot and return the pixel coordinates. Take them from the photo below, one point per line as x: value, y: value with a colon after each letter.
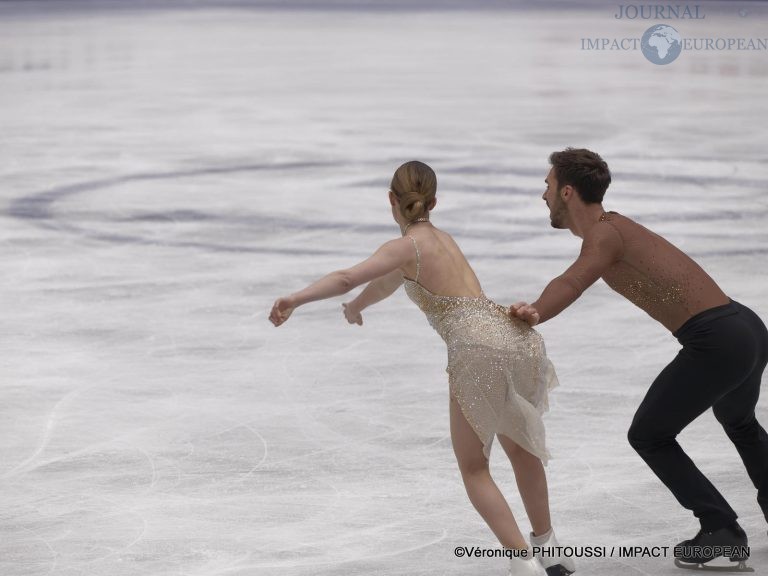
x: 498, y: 370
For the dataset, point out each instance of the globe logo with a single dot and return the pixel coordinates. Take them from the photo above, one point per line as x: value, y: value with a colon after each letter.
x: 661, y: 44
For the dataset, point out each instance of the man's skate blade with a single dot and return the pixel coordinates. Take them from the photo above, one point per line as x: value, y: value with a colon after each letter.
x: 558, y: 570
x: 733, y: 567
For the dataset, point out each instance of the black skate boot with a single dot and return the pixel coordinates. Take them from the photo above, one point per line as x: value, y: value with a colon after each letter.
x: 729, y: 542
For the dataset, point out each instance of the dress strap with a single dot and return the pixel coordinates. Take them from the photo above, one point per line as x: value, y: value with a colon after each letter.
x: 418, y: 257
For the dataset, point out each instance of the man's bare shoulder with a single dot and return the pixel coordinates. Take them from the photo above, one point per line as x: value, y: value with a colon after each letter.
x: 629, y: 227
x: 605, y: 233
x: 602, y: 243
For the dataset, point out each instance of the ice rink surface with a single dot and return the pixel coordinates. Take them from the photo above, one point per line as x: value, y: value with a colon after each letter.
x: 169, y: 169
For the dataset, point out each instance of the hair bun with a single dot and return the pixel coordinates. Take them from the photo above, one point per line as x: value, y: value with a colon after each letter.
x: 414, y: 210
x: 415, y: 185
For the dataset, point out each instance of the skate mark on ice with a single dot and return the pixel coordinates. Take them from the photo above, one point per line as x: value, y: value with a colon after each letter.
x: 97, y: 445
x: 49, y: 426
x: 54, y: 555
x: 123, y: 510
x: 358, y: 558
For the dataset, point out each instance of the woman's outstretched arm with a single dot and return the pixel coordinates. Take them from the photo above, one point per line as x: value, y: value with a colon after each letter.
x: 390, y: 256
x: 376, y: 291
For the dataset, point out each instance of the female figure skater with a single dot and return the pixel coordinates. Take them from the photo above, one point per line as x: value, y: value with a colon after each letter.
x: 498, y: 372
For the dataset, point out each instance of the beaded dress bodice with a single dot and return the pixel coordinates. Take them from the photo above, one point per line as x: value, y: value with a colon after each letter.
x: 497, y: 366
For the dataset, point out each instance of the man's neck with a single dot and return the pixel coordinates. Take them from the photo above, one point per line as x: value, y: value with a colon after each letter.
x: 583, y: 220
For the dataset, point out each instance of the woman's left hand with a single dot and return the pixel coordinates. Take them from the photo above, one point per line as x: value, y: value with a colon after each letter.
x: 281, y: 310
x: 352, y: 314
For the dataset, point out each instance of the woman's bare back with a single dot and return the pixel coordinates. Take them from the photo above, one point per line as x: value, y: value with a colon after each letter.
x: 444, y: 269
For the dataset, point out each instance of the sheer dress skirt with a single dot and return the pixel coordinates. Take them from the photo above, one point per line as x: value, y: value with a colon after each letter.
x: 498, y: 370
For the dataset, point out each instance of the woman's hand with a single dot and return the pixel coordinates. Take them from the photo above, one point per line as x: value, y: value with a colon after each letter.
x: 352, y: 314
x: 282, y: 310
x: 524, y: 312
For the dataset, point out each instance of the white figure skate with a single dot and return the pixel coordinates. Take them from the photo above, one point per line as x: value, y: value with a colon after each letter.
x: 555, y: 565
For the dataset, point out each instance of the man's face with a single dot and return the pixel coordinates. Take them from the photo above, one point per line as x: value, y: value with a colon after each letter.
x: 558, y: 211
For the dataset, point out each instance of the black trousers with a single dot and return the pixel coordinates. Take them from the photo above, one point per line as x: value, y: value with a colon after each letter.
x: 725, y: 350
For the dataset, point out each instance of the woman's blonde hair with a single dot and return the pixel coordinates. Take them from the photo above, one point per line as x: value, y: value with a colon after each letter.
x: 415, y: 186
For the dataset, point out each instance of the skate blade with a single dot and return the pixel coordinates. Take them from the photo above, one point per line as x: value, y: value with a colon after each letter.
x: 739, y: 567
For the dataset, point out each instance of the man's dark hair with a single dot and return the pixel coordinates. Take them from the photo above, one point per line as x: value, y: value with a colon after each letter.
x: 584, y: 170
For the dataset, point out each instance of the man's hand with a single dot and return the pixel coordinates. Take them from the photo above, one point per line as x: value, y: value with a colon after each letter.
x: 515, y: 307
x: 281, y: 310
x: 524, y: 312
x: 352, y: 314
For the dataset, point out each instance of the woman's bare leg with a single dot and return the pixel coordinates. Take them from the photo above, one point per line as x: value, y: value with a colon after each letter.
x: 532, y: 484
x: 481, y: 489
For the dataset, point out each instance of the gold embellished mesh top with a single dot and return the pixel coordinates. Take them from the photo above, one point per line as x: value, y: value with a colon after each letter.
x: 498, y: 370
x: 641, y: 266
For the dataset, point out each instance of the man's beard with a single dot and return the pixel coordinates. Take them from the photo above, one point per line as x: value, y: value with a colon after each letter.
x: 558, y: 215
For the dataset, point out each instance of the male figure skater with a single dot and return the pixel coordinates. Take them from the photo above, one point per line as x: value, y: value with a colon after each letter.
x: 725, y: 347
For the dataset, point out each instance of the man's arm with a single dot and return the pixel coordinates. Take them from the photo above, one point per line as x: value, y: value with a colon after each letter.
x: 599, y: 251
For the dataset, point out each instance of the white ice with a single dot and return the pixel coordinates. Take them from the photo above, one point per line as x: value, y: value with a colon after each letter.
x: 168, y: 172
